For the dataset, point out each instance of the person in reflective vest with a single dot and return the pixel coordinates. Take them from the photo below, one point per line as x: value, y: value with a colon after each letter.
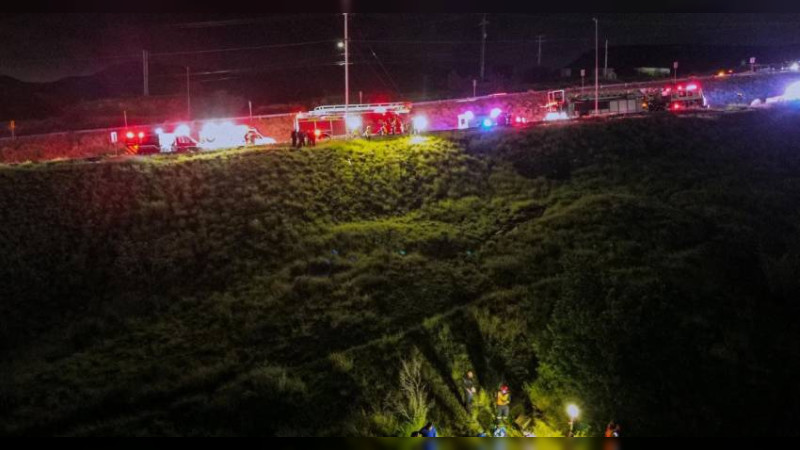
x: 503, y: 401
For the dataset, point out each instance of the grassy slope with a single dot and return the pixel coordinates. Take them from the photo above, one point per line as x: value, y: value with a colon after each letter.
x: 646, y: 269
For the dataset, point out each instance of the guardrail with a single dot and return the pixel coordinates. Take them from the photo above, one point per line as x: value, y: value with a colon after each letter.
x: 424, y: 103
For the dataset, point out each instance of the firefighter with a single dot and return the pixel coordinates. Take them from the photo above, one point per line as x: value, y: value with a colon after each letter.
x: 312, y: 138
x: 301, y: 138
x: 294, y: 138
x: 503, y: 401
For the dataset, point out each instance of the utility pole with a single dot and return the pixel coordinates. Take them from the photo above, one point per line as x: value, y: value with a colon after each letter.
x: 596, y: 70
x: 360, y: 98
x: 146, y: 73
x: 250, y: 106
x: 188, y: 97
x: 539, y: 58
x: 125, y: 117
x: 483, y: 45
x: 346, y: 68
x: 605, y: 65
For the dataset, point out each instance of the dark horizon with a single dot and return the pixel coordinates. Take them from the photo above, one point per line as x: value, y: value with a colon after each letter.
x: 47, y: 47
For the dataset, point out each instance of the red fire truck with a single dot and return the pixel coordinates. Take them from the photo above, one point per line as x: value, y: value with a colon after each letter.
x: 330, y: 121
x: 674, y: 97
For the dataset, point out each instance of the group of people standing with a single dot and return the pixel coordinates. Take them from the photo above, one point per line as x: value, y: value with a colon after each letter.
x: 301, y: 139
x: 502, y: 401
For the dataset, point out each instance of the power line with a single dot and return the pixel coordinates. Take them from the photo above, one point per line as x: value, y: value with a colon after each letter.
x: 236, y: 49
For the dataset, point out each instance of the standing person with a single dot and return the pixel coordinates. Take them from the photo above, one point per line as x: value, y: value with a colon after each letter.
x: 617, y: 430
x: 610, y: 430
x: 294, y: 138
x: 469, y: 390
x: 312, y: 138
x: 368, y: 132
x: 503, y: 400
x: 428, y: 430
x: 301, y: 138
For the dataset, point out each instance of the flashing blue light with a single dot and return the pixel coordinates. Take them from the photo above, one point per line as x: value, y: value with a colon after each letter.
x: 487, y: 123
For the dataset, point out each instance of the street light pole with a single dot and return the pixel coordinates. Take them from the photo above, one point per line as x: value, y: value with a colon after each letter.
x: 483, y: 45
x: 596, y: 70
x: 539, y: 55
x: 346, y: 68
x: 145, y: 73
x: 188, y: 97
x: 605, y: 65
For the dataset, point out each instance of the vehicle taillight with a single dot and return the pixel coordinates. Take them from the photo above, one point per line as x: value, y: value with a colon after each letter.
x: 141, y: 135
x: 129, y: 135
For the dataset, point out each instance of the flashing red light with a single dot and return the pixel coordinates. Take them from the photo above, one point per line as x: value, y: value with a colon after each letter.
x: 129, y: 135
x: 680, y: 87
x: 676, y: 106
x: 141, y: 134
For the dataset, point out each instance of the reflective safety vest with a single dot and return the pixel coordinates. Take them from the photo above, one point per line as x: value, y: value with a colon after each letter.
x: 503, y: 399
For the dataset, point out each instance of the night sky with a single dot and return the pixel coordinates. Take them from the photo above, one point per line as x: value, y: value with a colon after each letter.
x: 48, y: 47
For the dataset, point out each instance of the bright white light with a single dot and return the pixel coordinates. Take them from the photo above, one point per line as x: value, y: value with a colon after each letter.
x: 227, y: 134
x: 794, y: 67
x: 159, y: 131
x: 573, y: 411
x: 340, y: 44
x: 165, y: 141
x: 469, y: 115
x: 380, y: 110
x: 691, y: 87
x: 487, y: 122
x: 182, y: 130
x: 420, y: 123
x: 792, y: 92
x: 494, y: 113
x: 265, y: 141
x: 353, y: 122
x: 555, y: 116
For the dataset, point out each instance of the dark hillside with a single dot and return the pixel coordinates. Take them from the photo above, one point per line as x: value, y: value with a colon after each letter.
x: 646, y: 269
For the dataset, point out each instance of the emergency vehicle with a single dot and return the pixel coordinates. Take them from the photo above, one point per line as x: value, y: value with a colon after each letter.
x: 681, y: 97
x: 495, y: 117
x: 331, y: 121
x: 561, y: 105
x: 146, y: 142
x: 212, y: 135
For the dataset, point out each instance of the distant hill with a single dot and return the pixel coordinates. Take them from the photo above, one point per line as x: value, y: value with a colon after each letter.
x: 691, y: 58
